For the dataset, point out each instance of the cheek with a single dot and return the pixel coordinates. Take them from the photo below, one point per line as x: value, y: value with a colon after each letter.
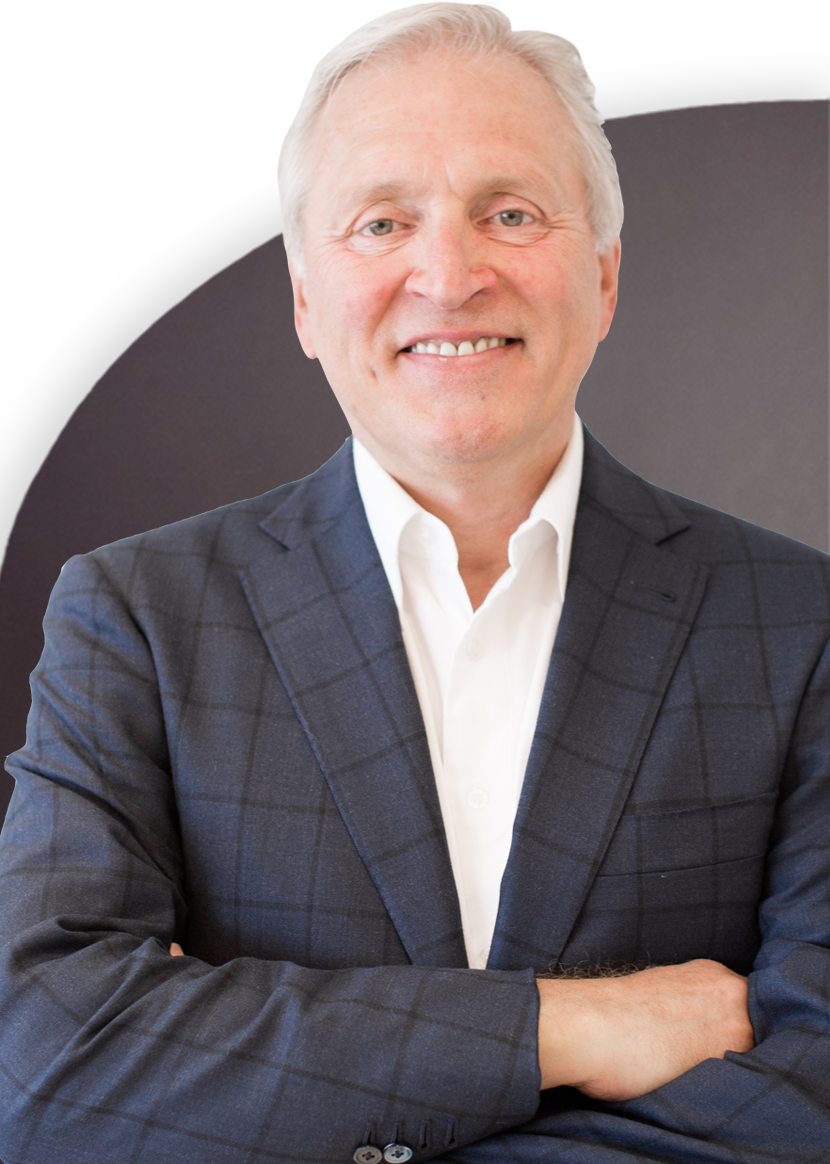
x: 569, y: 297
x: 542, y: 280
x: 353, y: 296
x: 560, y: 275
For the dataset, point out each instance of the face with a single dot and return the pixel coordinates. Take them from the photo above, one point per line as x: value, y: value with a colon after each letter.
x: 446, y: 216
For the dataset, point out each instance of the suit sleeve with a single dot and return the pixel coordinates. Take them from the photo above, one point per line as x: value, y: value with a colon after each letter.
x: 112, y: 1049
x: 771, y: 1104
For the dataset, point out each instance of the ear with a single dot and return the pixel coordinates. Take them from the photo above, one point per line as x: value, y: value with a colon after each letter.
x: 302, y: 315
x: 609, y: 269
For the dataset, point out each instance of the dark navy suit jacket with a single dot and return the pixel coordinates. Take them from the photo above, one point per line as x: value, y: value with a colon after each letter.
x: 225, y: 749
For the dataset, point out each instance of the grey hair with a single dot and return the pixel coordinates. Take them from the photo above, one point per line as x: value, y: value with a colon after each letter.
x: 473, y: 30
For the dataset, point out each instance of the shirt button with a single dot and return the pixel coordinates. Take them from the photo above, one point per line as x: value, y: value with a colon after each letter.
x: 396, y: 1153
x: 474, y: 650
x: 428, y: 534
x: 367, y: 1155
x: 477, y: 798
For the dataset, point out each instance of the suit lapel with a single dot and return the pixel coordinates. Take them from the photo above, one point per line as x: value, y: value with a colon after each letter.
x: 628, y: 611
x: 322, y: 603
x: 326, y: 612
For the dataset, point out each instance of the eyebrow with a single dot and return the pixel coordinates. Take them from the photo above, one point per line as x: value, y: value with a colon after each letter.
x: 498, y: 184
x: 381, y: 192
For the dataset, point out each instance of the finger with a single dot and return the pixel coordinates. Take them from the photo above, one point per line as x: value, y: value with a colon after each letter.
x: 176, y: 950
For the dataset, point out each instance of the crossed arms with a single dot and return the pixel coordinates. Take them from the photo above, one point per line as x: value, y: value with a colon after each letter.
x: 237, y: 1054
x: 616, y: 1037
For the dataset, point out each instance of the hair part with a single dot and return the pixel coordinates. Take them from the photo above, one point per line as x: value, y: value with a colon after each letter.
x: 472, y: 30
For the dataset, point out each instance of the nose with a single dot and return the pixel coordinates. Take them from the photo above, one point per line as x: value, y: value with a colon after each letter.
x: 449, y: 266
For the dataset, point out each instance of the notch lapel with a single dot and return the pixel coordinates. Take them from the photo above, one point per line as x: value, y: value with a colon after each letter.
x: 325, y: 610
x: 628, y: 611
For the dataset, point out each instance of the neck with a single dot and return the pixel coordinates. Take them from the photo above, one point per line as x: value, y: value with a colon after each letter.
x: 482, y: 504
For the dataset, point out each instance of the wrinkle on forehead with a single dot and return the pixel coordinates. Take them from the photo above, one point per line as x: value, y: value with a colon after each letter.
x: 386, y: 64
x: 368, y: 107
x: 476, y: 66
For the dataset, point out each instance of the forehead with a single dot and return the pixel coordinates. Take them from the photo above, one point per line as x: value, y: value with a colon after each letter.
x: 390, y: 124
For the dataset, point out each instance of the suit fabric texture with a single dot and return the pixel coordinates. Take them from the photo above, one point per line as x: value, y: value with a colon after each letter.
x: 225, y: 749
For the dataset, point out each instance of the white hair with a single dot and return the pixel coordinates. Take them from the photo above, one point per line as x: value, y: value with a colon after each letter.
x: 472, y: 30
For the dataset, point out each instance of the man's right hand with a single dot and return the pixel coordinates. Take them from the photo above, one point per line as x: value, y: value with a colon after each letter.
x: 618, y: 1038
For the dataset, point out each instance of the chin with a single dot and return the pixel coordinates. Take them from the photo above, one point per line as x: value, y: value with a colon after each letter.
x: 462, y: 443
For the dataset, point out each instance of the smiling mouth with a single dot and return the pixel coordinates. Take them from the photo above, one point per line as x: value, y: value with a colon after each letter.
x: 439, y: 347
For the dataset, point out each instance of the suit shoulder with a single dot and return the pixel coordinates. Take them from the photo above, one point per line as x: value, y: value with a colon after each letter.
x: 755, y: 572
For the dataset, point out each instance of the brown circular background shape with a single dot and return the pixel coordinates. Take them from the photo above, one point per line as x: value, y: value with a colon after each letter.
x: 713, y: 381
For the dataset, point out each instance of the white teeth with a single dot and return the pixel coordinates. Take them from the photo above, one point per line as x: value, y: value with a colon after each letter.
x: 465, y: 348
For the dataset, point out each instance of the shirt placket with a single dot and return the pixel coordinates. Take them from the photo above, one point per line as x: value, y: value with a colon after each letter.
x: 478, y: 760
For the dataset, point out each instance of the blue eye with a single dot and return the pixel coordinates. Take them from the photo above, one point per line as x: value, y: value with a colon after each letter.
x: 512, y: 217
x: 381, y: 226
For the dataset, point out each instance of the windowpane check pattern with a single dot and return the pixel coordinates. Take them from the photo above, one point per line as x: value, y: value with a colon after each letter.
x: 226, y: 750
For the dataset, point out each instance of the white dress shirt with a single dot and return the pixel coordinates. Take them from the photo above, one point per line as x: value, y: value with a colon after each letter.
x: 478, y: 674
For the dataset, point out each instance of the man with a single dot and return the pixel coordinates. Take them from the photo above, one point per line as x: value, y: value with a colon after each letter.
x: 322, y: 745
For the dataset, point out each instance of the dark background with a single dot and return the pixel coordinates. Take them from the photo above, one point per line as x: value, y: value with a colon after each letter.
x: 140, y: 165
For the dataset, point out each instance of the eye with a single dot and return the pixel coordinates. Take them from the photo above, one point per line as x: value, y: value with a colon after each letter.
x: 380, y: 226
x: 512, y: 218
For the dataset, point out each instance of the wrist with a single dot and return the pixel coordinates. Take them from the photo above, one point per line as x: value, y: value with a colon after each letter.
x: 567, y: 1031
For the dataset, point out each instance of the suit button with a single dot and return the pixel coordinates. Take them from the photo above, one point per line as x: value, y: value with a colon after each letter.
x: 396, y: 1153
x: 367, y: 1155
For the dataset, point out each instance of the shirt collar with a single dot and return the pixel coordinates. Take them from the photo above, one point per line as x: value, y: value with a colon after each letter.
x: 556, y: 505
x: 389, y: 509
